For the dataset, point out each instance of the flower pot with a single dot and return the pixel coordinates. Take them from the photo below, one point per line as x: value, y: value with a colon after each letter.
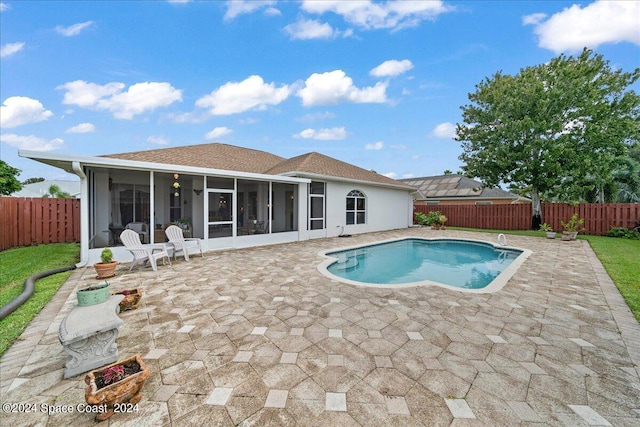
x: 105, y: 270
x: 131, y: 299
x: 128, y: 390
x: 551, y: 234
x: 566, y: 236
x: 92, y: 295
x: 573, y: 235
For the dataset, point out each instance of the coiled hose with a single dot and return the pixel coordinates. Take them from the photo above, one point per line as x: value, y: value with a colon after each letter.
x: 27, y: 290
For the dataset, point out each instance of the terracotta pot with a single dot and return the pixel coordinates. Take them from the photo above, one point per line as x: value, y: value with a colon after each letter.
x: 130, y: 301
x: 128, y: 390
x: 105, y: 271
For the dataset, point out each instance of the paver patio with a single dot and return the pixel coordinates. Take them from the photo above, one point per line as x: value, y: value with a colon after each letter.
x: 259, y: 337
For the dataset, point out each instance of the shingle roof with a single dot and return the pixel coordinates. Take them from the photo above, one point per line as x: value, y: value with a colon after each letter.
x: 229, y: 157
x: 458, y: 186
x: 212, y: 156
x: 319, y: 164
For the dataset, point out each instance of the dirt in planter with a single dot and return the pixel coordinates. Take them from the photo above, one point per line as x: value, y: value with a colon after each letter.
x: 92, y: 288
x: 129, y: 369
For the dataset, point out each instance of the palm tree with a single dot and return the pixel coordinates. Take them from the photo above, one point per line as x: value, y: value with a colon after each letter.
x: 57, y: 193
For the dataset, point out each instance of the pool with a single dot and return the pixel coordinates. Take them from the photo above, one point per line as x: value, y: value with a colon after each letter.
x: 467, y: 265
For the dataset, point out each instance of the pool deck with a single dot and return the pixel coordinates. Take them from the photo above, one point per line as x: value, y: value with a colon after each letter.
x: 258, y: 337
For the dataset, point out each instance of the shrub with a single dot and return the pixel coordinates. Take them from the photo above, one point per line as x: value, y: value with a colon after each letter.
x: 624, y: 232
x: 106, y: 256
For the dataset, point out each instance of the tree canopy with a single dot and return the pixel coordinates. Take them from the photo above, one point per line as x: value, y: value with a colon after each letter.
x: 32, y: 180
x: 8, y: 179
x: 550, y: 125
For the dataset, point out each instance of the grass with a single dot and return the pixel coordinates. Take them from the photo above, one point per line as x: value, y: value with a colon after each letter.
x: 618, y: 256
x: 18, y: 264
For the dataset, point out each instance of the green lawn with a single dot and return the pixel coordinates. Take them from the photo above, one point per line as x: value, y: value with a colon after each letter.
x: 620, y: 257
x: 16, y: 265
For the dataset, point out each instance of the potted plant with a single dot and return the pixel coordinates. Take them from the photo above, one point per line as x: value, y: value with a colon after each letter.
x: 116, y: 384
x: 441, y: 221
x: 131, y: 299
x: 549, y: 230
x: 572, y: 227
x: 92, y: 295
x: 433, y: 219
x: 107, y: 267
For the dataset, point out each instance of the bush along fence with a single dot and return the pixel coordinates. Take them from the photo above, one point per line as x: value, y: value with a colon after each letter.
x: 32, y: 221
x: 599, y: 218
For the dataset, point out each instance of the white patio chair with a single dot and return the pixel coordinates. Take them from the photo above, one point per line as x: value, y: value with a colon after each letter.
x: 131, y: 240
x: 182, y: 244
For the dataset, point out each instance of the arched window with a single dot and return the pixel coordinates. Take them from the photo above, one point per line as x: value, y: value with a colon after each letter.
x: 356, y: 207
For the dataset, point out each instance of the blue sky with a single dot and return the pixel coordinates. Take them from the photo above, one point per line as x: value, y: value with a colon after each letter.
x: 376, y: 84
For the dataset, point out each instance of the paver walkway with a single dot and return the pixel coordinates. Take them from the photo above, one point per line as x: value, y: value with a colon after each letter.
x: 259, y: 337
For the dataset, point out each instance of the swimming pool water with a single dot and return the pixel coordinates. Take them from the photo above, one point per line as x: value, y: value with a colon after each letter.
x: 459, y: 263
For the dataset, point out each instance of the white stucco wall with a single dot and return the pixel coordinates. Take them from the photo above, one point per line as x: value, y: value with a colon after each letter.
x: 386, y: 208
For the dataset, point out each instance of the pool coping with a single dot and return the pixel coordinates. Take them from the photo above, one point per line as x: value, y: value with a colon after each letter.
x: 496, y: 284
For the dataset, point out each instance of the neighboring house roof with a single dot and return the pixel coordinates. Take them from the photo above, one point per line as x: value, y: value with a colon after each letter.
x: 456, y: 187
x: 212, y: 156
x: 39, y: 189
x: 316, y: 164
x: 232, y: 158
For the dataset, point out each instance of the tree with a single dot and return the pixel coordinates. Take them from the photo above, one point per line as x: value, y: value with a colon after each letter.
x: 32, y: 180
x: 57, y: 193
x: 548, y: 125
x: 8, y: 179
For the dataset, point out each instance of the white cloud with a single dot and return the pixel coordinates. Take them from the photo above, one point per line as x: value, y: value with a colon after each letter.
x: 238, y: 97
x: 11, y: 48
x: 326, y: 134
x: 139, y: 98
x: 375, y: 146
x: 391, y: 175
x: 73, y: 30
x: 82, y: 128
x: 335, y: 86
x: 31, y: 142
x: 533, y: 19
x: 239, y: 7
x: 598, y: 23
x: 20, y: 110
x: 158, y: 140
x: 316, y: 117
x: 408, y: 175
x: 218, y: 132
x: 306, y: 29
x: 391, y: 68
x: 4, y: 7
x: 444, y: 130
x: 369, y: 15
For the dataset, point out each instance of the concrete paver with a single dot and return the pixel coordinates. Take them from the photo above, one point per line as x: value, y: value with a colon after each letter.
x: 258, y: 336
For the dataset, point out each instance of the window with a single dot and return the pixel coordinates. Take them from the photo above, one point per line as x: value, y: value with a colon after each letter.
x: 356, y: 202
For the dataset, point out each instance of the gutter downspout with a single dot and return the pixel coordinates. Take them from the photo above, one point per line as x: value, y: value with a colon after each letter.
x: 84, y: 214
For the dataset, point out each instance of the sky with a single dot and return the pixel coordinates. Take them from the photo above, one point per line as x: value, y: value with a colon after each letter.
x: 378, y: 84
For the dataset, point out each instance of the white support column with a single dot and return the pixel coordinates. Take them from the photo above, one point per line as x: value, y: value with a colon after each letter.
x: 303, y: 214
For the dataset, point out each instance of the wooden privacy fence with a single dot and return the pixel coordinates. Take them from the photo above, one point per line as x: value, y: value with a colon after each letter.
x: 31, y: 221
x: 599, y: 218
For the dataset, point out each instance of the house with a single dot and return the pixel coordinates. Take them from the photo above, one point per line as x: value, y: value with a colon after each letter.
x: 455, y: 189
x: 41, y: 189
x: 232, y: 197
